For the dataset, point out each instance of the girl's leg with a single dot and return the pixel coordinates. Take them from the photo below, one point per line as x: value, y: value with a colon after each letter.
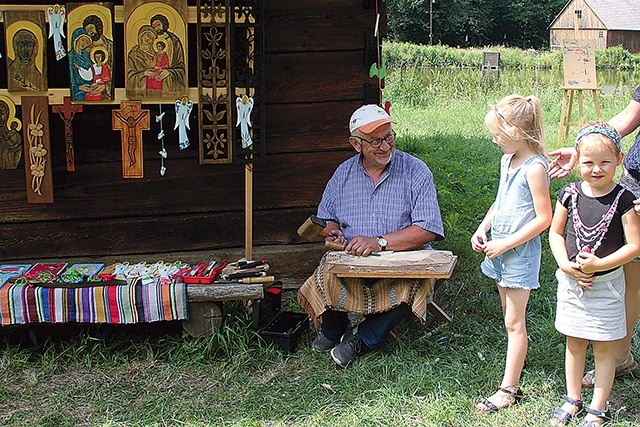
x: 514, y: 305
x: 605, y: 372
x: 574, y: 367
x: 514, y: 302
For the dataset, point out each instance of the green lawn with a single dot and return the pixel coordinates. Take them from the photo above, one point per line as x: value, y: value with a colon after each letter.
x: 426, y: 376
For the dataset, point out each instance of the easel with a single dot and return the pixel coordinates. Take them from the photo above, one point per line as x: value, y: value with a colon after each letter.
x: 567, y: 106
x: 579, y: 63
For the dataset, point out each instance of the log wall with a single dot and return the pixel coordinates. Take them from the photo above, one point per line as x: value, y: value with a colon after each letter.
x: 318, y: 53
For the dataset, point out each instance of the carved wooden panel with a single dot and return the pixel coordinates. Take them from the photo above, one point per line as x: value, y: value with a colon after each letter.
x: 67, y: 112
x: 26, y: 51
x: 10, y: 137
x: 37, y: 149
x: 231, y: 81
x: 131, y: 120
x: 156, y: 50
x: 91, y: 51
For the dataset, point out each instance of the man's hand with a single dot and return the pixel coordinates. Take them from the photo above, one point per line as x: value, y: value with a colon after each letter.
x: 562, y: 165
x: 336, y: 236
x: 362, y: 246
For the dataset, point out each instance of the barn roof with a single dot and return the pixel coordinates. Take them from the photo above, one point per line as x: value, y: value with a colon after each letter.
x: 617, y: 14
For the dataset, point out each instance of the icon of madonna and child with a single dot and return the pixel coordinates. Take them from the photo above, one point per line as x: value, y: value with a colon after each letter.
x: 89, y: 71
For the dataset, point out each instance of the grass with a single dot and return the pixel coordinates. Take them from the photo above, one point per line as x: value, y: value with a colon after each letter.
x: 154, y: 375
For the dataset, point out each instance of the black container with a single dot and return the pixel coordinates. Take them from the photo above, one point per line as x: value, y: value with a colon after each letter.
x: 285, y: 330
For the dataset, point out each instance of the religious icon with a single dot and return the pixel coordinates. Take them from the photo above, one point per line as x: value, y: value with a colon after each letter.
x: 91, y: 51
x: 67, y: 112
x: 155, y: 35
x: 183, y: 109
x: 244, y: 105
x: 26, y: 59
x: 10, y: 137
x: 57, y: 15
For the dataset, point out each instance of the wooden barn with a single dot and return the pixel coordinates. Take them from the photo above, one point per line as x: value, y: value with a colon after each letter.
x: 609, y: 22
x: 317, y: 56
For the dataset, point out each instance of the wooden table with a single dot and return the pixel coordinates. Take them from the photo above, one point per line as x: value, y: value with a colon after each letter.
x: 421, y: 264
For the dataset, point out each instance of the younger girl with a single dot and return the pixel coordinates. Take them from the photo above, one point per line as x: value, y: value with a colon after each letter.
x: 592, y: 221
x: 521, y: 212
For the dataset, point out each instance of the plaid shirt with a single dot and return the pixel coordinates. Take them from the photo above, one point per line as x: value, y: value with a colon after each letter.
x: 405, y: 195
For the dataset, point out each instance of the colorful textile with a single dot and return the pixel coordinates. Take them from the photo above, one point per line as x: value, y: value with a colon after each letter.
x: 325, y: 290
x: 131, y: 303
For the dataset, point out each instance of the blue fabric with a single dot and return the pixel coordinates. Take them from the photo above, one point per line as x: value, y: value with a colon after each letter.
x: 518, y: 267
x: 405, y: 195
x: 373, y: 329
x: 632, y: 158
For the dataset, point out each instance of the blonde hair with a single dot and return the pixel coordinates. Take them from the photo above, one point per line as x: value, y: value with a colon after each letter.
x: 524, y: 114
x: 598, y: 136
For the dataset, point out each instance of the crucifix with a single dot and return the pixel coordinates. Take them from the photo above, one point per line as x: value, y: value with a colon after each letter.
x: 67, y: 112
x: 131, y: 120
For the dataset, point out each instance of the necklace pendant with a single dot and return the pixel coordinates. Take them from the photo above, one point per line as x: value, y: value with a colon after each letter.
x: 586, y: 249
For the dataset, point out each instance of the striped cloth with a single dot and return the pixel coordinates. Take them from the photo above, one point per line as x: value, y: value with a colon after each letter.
x: 131, y: 303
x: 324, y: 290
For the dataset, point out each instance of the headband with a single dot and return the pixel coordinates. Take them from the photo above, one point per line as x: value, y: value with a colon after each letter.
x: 612, y: 134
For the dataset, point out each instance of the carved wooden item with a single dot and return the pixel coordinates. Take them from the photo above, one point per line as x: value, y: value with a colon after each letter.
x: 155, y: 50
x: 231, y: 81
x: 10, y: 137
x: 37, y: 149
x: 26, y: 51
x: 67, y: 112
x: 131, y: 120
x: 91, y: 51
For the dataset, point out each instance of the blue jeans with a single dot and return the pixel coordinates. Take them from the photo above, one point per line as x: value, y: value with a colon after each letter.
x: 373, y: 329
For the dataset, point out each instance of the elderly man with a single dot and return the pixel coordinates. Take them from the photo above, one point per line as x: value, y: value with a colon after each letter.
x: 380, y: 199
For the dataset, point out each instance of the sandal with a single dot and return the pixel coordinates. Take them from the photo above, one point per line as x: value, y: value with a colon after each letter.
x: 514, y: 394
x: 560, y: 417
x: 605, y: 417
x: 625, y: 368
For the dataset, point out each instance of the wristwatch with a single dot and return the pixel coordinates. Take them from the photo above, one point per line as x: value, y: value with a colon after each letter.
x: 382, y: 242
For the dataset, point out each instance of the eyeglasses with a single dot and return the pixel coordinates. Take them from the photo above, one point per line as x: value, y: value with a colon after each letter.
x: 376, y: 143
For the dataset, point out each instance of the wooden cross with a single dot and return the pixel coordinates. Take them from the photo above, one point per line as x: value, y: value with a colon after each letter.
x: 131, y: 120
x: 67, y: 111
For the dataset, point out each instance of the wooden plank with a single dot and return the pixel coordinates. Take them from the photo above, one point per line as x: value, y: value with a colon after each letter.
x: 305, y: 77
x: 147, y: 235
x: 93, y: 192
x: 224, y: 292
x: 424, y: 264
x: 314, y: 25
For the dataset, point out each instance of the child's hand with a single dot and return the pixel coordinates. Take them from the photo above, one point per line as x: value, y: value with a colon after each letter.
x: 588, y: 262
x: 493, y: 248
x: 478, y: 241
x: 573, y: 269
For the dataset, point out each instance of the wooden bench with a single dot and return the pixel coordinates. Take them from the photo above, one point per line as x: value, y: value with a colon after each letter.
x: 423, y: 264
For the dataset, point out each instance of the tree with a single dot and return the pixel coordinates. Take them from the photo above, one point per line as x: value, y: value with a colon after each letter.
x: 520, y: 23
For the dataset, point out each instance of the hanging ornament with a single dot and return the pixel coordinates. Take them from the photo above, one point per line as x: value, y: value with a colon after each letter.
x: 57, y: 15
x: 162, y: 152
x: 244, y: 105
x: 183, y: 109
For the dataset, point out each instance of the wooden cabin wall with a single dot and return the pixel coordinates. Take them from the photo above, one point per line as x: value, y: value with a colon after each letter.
x: 318, y: 53
x: 630, y: 40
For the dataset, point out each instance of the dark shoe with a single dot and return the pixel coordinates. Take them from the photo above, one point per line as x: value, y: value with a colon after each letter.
x: 514, y: 395
x: 322, y: 344
x: 560, y: 417
x: 348, y: 350
x: 625, y: 368
x: 605, y: 417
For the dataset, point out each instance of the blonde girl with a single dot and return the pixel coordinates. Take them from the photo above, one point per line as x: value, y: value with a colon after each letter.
x: 594, y: 232
x: 521, y: 211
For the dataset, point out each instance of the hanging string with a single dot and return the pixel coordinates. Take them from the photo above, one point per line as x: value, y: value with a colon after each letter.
x: 162, y: 152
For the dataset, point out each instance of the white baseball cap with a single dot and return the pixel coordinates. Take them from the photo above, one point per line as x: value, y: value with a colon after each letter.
x: 368, y: 118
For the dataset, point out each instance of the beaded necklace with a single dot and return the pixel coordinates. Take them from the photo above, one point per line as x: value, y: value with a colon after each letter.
x: 589, y: 238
